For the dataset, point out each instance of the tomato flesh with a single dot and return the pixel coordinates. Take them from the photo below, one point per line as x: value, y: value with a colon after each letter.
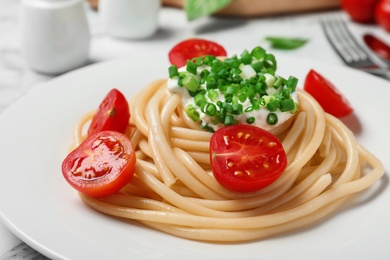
x: 192, y: 48
x: 101, y: 165
x: 382, y: 14
x: 327, y: 95
x: 246, y: 158
x: 113, y: 114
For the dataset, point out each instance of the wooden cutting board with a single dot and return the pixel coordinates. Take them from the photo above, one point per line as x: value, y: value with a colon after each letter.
x: 252, y: 8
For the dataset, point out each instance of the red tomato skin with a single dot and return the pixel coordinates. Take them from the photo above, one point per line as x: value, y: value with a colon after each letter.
x: 113, y: 114
x: 246, y: 158
x: 382, y: 14
x: 327, y: 95
x: 105, y: 182
x: 361, y: 11
x: 192, y: 48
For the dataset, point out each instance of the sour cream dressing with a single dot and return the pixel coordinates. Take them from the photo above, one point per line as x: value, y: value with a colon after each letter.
x: 260, y: 115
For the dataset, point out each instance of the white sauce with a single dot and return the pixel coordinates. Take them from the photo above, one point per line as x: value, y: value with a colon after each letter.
x: 259, y: 115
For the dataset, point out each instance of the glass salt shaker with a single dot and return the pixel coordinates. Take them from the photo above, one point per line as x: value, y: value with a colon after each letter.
x: 55, y: 35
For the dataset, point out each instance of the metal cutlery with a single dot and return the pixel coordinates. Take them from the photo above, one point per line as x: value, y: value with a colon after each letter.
x: 348, y: 48
x: 379, y: 47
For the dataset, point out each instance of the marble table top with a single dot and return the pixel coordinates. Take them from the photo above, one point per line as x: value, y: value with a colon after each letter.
x: 17, y: 79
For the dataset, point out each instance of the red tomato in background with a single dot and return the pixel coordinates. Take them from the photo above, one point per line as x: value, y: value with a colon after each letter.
x: 192, y: 48
x: 113, y: 114
x: 246, y: 158
x: 362, y: 11
x: 382, y: 14
x: 101, y: 165
x: 327, y: 95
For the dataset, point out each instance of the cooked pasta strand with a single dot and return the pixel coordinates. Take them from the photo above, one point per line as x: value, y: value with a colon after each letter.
x: 175, y: 192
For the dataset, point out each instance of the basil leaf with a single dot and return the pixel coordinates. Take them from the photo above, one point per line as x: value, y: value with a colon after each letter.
x: 199, y: 8
x: 283, y: 43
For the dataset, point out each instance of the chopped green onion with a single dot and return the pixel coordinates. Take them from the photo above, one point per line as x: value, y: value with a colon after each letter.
x: 257, y: 66
x: 206, y: 127
x: 198, y: 61
x: 204, y: 73
x: 191, y: 67
x: 212, y: 94
x: 222, y: 85
x: 242, y: 97
x: 272, y: 119
x: 256, y: 104
x: 246, y: 57
x: 231, y: 91
x: 209, y: 109
x: 190, y: 83
x: 269, y: 79
x: 250, y: 120
x: 212, y: 77
x: 273, y: 105
x: 236, y: 80
x: 251, y: 92
x: 270, y: 70
x: 237, y: 108
x: 216, y: 65
x: 286, y: 93
x: 211, y: 85
x: 247, y: 72
x: 227, y: 107
x: 295, y: 108
x: 180, y: 81
x: 192, y: 113
x: 223, y: 73
x: 173, y: 71
x: 249, y: 109
x: 263, y: 101
x: 199, y: 99
x: 208, y: 60
x: 287, y: 105
x: 229, y: 120
x: 261, y: 88
x: 270, y: 61
x: 258, y: 53
x: 292, y: 83
x: 279, y: 82
x: 215, y: 119
x: 233, y: 62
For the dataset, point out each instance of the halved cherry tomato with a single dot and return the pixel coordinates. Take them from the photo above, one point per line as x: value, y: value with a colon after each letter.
x: 361, y: 11
x: 327, y: 95
x: 192, y: 48
x: 246, y: 158
x: 113, y: 114
x: 101, y: 165
x: 382, y: 14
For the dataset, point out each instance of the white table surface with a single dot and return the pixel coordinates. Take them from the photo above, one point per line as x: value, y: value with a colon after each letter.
x: 17, y: 79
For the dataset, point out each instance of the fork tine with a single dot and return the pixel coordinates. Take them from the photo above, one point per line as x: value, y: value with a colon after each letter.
x: 344, y: 43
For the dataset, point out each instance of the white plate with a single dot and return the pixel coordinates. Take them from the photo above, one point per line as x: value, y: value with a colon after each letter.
x: 41, y: 208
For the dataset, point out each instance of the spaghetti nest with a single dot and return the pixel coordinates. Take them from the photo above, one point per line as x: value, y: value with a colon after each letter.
x: 173, y: 189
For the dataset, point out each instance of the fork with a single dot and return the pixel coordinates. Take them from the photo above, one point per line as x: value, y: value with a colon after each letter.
x: 344, y: 43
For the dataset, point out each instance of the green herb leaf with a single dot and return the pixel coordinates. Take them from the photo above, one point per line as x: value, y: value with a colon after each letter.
x: 199, y: 8
x: 283, y: 43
